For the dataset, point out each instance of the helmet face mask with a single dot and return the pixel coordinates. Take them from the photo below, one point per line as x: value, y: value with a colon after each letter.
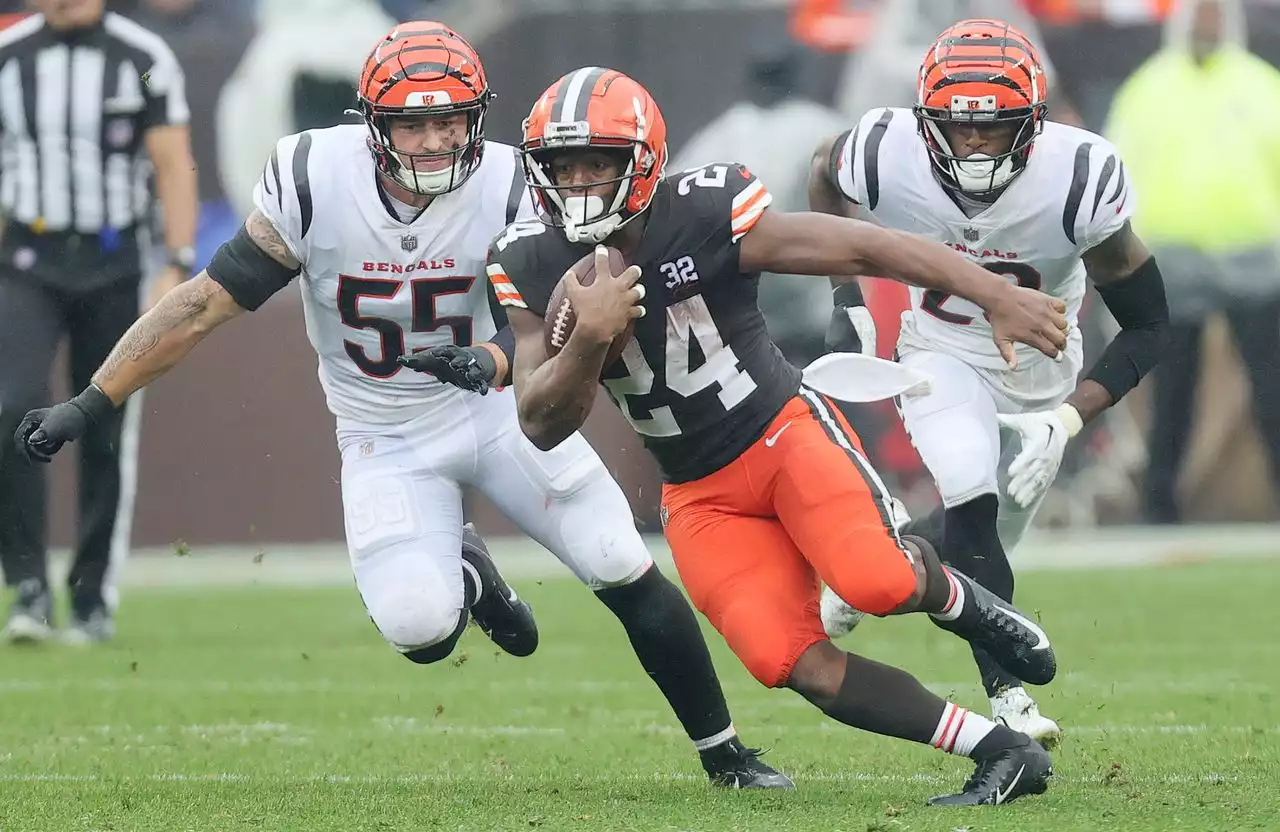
x: 978, y: 173
x: 588, y: 207
x: 980, y: 73
x: 609, y: 133
x: 427, y: 172
x: 425, y: 73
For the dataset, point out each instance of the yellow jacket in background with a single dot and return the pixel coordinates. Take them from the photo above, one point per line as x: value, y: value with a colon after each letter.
x: 1202, y: 146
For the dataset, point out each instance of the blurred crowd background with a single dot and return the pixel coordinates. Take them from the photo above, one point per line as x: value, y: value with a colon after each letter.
x: 237, y: 445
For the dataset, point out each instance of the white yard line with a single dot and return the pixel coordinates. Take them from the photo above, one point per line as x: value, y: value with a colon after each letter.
x: 244, y: 733
x: 325, y: 564
x: 1078, y: 684
x: 657, y: 777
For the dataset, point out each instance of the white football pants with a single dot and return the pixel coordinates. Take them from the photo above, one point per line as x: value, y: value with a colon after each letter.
x: 954, y: 426
x: 402, y: 502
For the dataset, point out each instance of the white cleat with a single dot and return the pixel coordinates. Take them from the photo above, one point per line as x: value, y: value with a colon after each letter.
x: 27, y: 629
x: 1016, y: 709
x: 838, y: 617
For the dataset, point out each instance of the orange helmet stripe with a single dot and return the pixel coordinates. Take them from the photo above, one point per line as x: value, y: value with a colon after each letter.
x: 990, y: 55
x: 428, y: 52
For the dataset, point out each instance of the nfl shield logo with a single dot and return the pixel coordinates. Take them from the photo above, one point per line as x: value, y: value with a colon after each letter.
x: 409, y: 242
x: 971, y: 235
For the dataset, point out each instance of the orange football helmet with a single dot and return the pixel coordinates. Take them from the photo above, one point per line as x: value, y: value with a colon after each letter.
x: 598, y: 109
x: 424, y: 68
x: 980, y: 72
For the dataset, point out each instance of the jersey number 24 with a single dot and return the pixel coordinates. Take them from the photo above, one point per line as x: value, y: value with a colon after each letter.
x: 687, y: 320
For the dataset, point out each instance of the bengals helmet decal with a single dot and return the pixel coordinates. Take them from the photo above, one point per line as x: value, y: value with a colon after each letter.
x: 423, y: 68
x: 980, y: 72
x: 600, y: 110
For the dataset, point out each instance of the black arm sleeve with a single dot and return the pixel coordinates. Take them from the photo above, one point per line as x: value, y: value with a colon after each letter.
x: 505, y: 339
x: 1138, y: 304
x: 248, y: 273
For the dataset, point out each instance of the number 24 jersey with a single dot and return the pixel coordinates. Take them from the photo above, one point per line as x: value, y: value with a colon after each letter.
x: 700, y: 380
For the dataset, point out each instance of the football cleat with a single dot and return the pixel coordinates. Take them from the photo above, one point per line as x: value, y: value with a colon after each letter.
x: 499, y: 613
x: 1011, y: 638
x: 838, y: 616
x: 1019, y: 711
x: 92, y: 624
x: 734, y: 766
x: 1002, y: 776
x: 31, y: 614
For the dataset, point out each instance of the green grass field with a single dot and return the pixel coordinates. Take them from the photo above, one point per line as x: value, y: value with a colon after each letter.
x: 270, y: 708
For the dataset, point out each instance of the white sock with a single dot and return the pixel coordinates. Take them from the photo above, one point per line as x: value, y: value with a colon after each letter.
x: 955, y: 603
x: 716, y: 739
x: 960, y: 730
x: 471, y: 576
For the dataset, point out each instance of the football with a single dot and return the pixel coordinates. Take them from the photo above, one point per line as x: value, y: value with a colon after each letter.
x: 561, y: 319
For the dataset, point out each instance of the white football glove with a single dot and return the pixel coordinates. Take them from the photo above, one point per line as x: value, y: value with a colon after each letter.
x: 865, y: 325
x: 1044, y: 439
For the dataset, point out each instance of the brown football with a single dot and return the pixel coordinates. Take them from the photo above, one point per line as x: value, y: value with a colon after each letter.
x: 561, y: 319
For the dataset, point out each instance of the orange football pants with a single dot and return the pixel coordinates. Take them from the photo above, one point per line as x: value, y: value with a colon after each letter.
x: 752, y: 540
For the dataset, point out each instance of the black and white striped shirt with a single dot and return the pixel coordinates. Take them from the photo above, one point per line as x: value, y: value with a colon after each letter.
x: 74, y: 108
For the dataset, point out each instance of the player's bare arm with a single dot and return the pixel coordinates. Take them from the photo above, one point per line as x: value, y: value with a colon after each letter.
x: 824, y: 196
x: 167, y: 333
x: 1129, y: 283
x: 265, y: 236
x: 243, y: 273
x: 554, y: 394
x: 163, y: 336
x: 819, y: 244
x: 852, y: 327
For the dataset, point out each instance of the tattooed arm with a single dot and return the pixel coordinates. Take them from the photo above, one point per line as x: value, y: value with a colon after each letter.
x: 163, y: 337
x: 243, y: 274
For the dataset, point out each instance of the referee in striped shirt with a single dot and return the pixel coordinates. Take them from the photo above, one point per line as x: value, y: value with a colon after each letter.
x: 87, y: 99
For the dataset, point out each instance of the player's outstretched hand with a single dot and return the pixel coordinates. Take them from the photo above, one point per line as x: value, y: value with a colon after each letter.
x: 470, y: 368
x: 1025, y: 316
x: 611, y: 301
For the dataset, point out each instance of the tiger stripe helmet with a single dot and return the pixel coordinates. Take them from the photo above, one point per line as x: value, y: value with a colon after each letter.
x: 424, y: 68
x: 599, y: 109
x: 980, y: 72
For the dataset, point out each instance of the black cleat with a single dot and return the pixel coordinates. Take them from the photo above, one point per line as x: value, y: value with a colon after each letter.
x: 734, y: 766
x: 1011, y: 638
x: 1005, y: 775
x: 503, y: 617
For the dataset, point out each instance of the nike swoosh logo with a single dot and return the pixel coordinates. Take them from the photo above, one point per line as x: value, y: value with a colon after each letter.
x: 1042, y: 642
x: 1001, y: 796
x: 772, y: 440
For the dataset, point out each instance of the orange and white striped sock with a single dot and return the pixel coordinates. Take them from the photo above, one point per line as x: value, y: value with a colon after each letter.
x: 959, y: 730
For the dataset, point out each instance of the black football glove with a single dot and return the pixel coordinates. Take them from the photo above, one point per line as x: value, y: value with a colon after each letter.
x: 470, y: 368
x: 852, y: 328
x: 43, y: 432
